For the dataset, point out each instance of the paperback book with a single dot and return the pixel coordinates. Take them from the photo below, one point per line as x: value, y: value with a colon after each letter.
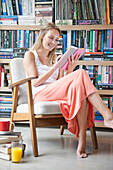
x: 64, y: 60
x: 5, y: 151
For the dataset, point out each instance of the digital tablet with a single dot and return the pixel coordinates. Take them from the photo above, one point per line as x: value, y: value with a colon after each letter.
x: 63, y: 62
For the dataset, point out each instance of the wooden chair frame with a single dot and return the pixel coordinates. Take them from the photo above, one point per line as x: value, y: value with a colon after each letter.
x: 38, y: 120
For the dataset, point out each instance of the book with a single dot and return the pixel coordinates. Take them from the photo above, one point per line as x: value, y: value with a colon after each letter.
x: 6, y: 148
x: 5, y: 156
x: 108, y: 86
x: 63, y: 62
x: 5, y: 151
x: 9, y: 139
x: 10, y: 135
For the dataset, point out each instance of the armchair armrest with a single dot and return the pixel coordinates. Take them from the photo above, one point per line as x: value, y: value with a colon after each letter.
x: 18, y: 83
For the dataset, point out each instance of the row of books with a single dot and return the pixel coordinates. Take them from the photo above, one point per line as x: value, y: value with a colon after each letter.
x: 5, y: 104
x: 17, y: 7
x: 9, y: 53
x: 26, y: 12
x: 5, y: 144
x: 60, y: 12
x: 91, y: 40
x: 4, y: 75
x: 44, y: 12
x: 84, y: 12
x: 17, y: 38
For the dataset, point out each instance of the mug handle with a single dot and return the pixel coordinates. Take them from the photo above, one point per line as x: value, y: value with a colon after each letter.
x: 12, y: 125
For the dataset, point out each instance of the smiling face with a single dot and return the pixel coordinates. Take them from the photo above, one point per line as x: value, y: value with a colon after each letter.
x: 50, y: 39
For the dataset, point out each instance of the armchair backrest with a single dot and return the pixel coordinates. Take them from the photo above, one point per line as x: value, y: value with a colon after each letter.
x: 18, y: 73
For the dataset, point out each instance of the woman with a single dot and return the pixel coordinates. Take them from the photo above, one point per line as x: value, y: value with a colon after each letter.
x: 74, y: 91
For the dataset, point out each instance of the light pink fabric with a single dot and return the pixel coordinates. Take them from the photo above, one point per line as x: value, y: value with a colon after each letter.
x: 69, y: 91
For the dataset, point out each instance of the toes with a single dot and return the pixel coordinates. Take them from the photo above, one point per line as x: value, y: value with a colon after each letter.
x: 82, y: 155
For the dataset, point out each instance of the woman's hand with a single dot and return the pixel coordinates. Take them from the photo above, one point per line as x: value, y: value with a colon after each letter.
x: 72, y: 63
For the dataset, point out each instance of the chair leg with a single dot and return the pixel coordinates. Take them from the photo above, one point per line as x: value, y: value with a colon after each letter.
x: 94, y: 137
x: 32, y: 120
x: 62, y: 130
x: 14, y: 106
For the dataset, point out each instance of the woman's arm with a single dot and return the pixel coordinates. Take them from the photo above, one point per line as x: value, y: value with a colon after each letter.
x: 31, y: 70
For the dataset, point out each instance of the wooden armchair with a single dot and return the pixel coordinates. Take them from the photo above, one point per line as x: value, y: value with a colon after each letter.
x: 41, y: 114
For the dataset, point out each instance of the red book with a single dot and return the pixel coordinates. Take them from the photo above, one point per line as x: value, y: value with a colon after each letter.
x: 96, y: 40
x: 110, y: 74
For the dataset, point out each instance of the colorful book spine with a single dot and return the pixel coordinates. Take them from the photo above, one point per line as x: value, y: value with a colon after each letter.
x: 110, y: 74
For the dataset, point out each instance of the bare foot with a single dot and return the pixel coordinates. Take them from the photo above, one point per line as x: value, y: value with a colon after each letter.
x: 81, y: 154
x: 81, y: 151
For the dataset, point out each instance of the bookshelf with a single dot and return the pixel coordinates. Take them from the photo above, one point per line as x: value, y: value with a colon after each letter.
x: 65, y: 28
x: 62, y: 27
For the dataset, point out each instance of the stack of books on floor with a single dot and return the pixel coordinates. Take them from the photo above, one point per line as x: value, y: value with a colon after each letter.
x: 5, y: 144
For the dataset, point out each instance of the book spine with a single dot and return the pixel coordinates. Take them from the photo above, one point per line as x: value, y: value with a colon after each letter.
x: 96, y: 40
x: 4, y: 7
x: 91, y: 40
x: 110, y: 74
x: 64, y: 43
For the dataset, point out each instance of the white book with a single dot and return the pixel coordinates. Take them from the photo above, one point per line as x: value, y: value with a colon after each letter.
x: 17, y: 7
x: 6, y: 148
x: 5, y: 156
x: 9, y: 3
x: 99, y: 74
x: 103, y: 74
x: 68, y: 39
x: 2, y: 77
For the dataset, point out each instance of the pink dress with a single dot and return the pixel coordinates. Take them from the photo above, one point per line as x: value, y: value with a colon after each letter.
x: 70, y: 91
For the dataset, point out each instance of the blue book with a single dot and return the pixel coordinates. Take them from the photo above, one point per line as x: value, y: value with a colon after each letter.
x: 19, y: 38
x: 74, y: 35
x: 108, y: 38
x: 24, y: 38
x: 6, y: 102
x: 7, y: 16
x: 20, y: 7
x: 108, y: 52
x: 102, y: 40
x: 6, y: 57
x: 5, y: 110
x: 4, y: 7
x: 27, y: 38
x: 64, y: 43
x: 108, y: 49
x: 99, y: 118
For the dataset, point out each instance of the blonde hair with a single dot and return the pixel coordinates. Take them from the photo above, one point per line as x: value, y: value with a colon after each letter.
x: 38, y: 43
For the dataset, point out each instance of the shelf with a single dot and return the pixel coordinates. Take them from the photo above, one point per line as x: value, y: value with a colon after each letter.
x: 62, y: 27
x: 91, y: 62
x: 106, y: 92
x: 5, y: 61
x: 5, y: 89
x: 96, y: 63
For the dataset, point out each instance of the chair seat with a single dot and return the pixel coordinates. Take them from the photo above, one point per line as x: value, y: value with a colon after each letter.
x: 44, y: 107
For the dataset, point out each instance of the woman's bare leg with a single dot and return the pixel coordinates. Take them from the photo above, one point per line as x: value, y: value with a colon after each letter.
x: 97, y: 102
x: 82, y: 121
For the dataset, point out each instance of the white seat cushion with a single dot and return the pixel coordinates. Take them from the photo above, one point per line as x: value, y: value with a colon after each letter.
x: 44, y: 107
